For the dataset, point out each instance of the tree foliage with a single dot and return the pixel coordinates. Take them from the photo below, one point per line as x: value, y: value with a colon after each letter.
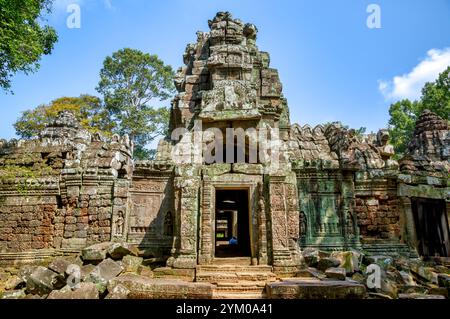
x: 404, y: 114
x: 87, y: 109
x: 130, y: 81
x: 23, y: 39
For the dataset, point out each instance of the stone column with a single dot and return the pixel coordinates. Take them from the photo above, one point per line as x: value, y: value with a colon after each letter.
x: 121, y: 212
x: 349, y: 222
x: 282, y: 259
x: 206, y: 227
x: 187, y: 223
x: 262, y: 226
x: 408, y: 220
x: 292, y: 208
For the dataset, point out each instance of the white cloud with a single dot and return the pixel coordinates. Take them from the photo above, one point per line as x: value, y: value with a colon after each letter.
x: 409, y: 86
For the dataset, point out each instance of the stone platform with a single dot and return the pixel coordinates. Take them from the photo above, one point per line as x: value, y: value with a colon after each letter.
x: 303, y: 288
x: 39, y: 256
x: 149, y: 288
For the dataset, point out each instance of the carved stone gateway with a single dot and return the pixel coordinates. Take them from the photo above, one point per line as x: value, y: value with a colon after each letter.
x: 325, y: 187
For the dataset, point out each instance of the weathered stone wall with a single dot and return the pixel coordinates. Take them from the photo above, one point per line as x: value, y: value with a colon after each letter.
x: 378, y: 217
x: 58, y: 190
x: 347, y: 186
x: 28, y: 223
x: 333, y: 188
x: 151, y: 219
x: 30, y: 216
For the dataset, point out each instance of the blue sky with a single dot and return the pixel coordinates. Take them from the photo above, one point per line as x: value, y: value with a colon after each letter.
x: 332, y: 66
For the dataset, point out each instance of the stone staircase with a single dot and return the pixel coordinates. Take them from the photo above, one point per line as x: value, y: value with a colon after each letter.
x: 235, y: 278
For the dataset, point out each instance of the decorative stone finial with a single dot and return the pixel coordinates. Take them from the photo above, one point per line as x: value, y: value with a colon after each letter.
x: 65, y: 119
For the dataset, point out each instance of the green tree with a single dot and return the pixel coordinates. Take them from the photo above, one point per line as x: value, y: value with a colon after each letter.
x: 130, y: 81
x: 404, y: 114
x: 87, y: 109
x: 436, y: 95
x: 23, y: 38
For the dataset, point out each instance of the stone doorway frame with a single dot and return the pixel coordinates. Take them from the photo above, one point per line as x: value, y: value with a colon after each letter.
x: 406, y: 193
x: 249, y: 216
x: 207, y: 218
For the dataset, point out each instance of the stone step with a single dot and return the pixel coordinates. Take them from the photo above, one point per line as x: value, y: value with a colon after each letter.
x: 214, y: 277
x: 234, y: 268
x: 241, y: 261
x: 236, y: 276
x: 315, y: 289
x: 255, y: 290
x: 238, y: 296
x: 240, y: 290
x: 241, y: 284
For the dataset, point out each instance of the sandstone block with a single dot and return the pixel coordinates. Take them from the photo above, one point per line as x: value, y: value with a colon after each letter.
x: 315, y: 289
x: 104, y: 272
x: 85, y: 290
x: 336, y: 273
x: 95, y: 252
x: 42, y: 281
x: 119, y: 250
x: 328, y: 262
x: 145, y: 288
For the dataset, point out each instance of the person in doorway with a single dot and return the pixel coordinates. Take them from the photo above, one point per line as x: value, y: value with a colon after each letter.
x: 233, y: 241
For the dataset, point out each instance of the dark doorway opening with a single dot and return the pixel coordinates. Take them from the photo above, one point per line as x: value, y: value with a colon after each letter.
x: 432, y: 230
x: 232, y: 235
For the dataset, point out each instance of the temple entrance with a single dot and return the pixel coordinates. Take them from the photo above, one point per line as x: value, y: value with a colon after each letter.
x: 431, y: 227
x: 232, y: 234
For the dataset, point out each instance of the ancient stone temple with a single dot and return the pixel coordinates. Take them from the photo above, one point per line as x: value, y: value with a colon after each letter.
x: 233, y: 178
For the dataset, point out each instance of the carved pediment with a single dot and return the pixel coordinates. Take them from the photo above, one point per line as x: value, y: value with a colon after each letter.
x: 230, y: 100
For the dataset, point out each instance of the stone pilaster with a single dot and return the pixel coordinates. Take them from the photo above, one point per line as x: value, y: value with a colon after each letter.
x: 121, y: 213
x: 262, y: 226
x: 187, y: 189
x: 206, y: 217
x: 281, y: 248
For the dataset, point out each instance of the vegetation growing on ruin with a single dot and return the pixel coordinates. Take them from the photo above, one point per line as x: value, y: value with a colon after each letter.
x: 27, y: 175
x: 14, y: 171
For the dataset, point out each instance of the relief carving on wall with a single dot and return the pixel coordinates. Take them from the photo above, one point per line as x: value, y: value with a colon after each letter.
x: 145, y: 186
x: 279, y: 227
x: 119, y: 224
x: 144, y: 212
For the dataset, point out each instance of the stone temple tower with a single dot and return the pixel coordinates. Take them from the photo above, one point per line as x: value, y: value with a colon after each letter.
x: 227, y: 87
x: 233, y: 183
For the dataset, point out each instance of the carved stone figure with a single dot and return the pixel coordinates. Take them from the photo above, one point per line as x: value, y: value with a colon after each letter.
x: 120, y: 221
x: 303, y: 224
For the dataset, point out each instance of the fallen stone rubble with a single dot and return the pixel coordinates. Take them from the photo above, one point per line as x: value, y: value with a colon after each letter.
x: 118, y: 271
x: 385, y: 277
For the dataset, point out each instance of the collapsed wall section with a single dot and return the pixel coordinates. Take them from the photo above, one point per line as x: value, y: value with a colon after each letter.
x: 60, y: 189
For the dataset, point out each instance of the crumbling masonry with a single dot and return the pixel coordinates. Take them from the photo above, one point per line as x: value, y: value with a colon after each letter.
x: 332, y: 189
